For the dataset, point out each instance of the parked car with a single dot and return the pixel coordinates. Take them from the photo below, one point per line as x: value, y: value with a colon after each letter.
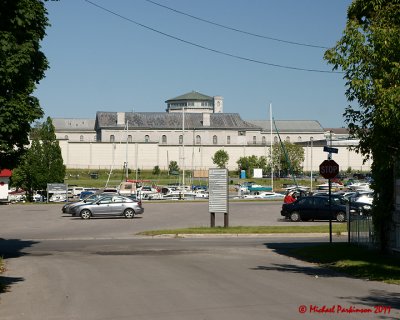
x: 316, y: 208
x: 85, y: 194
x: 89, y: 199
x: 351, y: 198
x: 109, y: 206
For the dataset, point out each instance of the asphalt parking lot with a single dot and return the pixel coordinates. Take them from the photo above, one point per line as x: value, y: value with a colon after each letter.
x: 46, y: 221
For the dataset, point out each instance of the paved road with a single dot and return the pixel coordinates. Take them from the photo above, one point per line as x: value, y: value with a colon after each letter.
x: 98, y: 273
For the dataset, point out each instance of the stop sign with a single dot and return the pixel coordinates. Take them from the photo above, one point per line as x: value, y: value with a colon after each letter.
x: 328, y: 169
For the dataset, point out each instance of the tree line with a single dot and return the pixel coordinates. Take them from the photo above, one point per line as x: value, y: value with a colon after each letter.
x: 287, y: 158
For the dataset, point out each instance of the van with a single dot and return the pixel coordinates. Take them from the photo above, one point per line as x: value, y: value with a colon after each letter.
x: 76, y: 191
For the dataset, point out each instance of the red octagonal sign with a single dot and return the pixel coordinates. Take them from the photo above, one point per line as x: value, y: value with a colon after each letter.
x: 328, y: 169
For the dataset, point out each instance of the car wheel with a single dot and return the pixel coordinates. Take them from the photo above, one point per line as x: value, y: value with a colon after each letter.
x: 85, y: 214
x: 340, y: 216
x: 129, y: 213
x: 295, y: 216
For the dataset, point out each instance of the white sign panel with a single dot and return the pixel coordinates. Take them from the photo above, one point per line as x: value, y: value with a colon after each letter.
x: 218, y: 190
x: 257, y: 173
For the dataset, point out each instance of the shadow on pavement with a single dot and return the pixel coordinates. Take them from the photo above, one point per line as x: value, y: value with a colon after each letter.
x: 376, y: 300
x: 12, y: 248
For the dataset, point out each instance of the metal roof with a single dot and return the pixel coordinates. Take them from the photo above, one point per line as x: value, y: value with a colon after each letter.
x: 61, y: 124
x: 162, y: 120
x: 194, y: 95
x: 290, y: 125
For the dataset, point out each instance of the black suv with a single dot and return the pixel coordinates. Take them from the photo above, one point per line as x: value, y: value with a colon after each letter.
x: 316, y: 208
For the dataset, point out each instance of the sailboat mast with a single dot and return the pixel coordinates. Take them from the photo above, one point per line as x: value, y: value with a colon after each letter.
x: 183, y: 146
x: 270, y: 149
x: 126, y: 155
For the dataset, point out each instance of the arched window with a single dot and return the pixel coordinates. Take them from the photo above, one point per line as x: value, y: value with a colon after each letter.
x: 164, y: 139
x: 66, y: 137
x: 81, y: 138
x: 228, y: 140
x: 181, y: 139
x: 215, y: 140
x: 264, y: 140
x: 275, y: 139
x: 129, y: 138
x: 287, y: 139
x: 198, y: 139
x: 146, y: 138
x: 254, y: 140
x: 299, y: 139
x: 112, y: 138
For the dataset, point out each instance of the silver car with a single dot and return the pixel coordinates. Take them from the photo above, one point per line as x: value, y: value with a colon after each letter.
x: 115, y: 205
x: 89, y: 199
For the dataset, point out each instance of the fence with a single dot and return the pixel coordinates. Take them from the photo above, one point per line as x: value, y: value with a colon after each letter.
x: 361, y: 230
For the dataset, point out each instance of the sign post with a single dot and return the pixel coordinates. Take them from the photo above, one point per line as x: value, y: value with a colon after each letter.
x: 329, y: 169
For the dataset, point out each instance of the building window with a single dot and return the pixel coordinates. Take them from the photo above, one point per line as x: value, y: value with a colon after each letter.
x: 198, y: 139
x: 129, y: 138
x: 228, y: 139
x: 94, y: 138
x: 299, y: 139
x: 241, y: 133
x: 181, y: 139
x: 264, y: 140
x: 254, y: 140
x: 81, y: 138
x: 164, y: 139
x: 287, y: 139
x: 112, y: 138
x: 146, y: 138
x: 66, y: 137
x: 275, y: 139
x: 215, y: 140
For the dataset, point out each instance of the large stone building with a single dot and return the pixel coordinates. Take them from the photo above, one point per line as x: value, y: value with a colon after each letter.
x: 191, y: 130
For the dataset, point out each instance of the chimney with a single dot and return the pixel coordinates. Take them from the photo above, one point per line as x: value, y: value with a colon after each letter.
x: 121, y: 118
x: 206, y: 119
x: 218, y: 104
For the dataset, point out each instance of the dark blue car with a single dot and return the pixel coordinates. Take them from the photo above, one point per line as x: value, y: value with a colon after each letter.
x: 316, y: 208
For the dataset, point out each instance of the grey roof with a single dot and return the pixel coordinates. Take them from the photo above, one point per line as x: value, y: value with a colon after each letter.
x: 289, y: 125
x: 194, y: 95
x: 61, y: 124
x: 162, y: 120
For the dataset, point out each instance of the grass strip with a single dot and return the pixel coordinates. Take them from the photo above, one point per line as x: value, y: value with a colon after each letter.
x: 336, y: 229
x: 353, y: 260
x: 2, y: 269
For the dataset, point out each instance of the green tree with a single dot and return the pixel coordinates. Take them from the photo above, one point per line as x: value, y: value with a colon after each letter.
x: 173, y: 167
x: 252, y: 162
x: 22, y: 66
x: 156, y: 171
x: 369, y: 55
x: 43, y: 162
x: 287, y: 158
x: 220, y: 158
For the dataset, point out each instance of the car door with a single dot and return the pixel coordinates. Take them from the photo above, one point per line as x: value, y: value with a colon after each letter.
x: 101, y: 206
x: 117, y: 205
x: 305, y: 206
x: 321, y: 208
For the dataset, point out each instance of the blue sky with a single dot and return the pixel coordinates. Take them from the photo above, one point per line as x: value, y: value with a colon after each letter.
x: 103, y: 62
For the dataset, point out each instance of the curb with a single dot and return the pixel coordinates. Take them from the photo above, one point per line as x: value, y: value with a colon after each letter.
x: 247, y: 235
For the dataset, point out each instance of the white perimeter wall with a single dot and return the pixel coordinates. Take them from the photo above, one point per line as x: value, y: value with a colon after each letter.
x: 146, y: 156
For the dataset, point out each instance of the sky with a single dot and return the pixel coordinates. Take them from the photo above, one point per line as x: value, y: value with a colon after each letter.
x: 133, y: 55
